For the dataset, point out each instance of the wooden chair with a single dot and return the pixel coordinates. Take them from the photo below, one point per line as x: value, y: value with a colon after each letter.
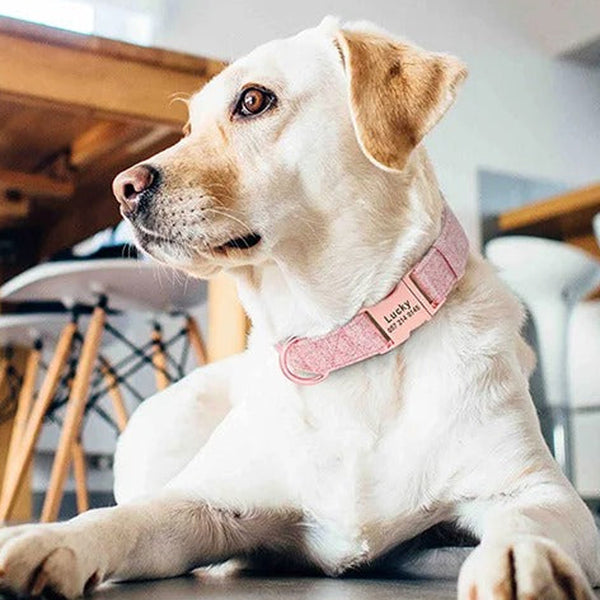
x: 32, y: 330
x: 124, y: 285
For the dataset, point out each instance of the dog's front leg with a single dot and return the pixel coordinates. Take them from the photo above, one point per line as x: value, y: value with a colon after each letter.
x: 156, y: 537
x: 541, y: 544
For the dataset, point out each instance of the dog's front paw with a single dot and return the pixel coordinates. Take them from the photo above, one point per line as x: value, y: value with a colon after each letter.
x: 528, y: 568
x: 43, y: 558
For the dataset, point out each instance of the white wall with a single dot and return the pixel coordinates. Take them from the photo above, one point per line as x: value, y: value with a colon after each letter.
x: 557, y: 26
x: 520, y: 111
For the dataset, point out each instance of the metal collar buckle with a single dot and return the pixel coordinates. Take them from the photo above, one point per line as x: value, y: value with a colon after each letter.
x: 405, y: 309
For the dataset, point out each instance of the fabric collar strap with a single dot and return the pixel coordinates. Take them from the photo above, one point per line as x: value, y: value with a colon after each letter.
x: 384, y: 326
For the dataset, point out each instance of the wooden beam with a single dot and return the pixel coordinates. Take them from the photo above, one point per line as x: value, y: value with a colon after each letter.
x: 72, y: 226
x: 98, y: 140
x: 93, y: 207
x: 13, y: 210
x: 33, y: 185
x: 155, y: 136
x: 557, y: 207
x: 106, y: 80
x: 177, y: 61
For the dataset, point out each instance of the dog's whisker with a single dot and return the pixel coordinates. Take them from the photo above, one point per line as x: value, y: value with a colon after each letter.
x: 235, y: 219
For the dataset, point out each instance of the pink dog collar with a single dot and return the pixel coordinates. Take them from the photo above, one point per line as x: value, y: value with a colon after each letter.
x: 387, y: 324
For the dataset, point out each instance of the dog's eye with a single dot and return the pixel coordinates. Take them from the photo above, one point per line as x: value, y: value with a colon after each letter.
x: 254, y: 101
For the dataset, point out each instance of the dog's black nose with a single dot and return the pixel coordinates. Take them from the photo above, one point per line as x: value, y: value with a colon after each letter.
x: 129, y: 185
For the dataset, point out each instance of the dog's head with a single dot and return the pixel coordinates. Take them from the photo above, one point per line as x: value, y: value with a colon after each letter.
x: 287, y: 150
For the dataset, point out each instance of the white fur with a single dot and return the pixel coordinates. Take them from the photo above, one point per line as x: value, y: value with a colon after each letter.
x: 236, y: 458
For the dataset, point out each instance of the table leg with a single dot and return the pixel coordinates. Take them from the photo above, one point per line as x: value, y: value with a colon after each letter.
x: 227, y: 321
x: 196, y: 340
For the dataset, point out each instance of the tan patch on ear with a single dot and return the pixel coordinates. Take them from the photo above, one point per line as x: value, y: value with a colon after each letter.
x: 398, y: 92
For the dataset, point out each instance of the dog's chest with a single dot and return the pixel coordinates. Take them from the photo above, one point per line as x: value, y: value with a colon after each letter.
x: 356, y: 481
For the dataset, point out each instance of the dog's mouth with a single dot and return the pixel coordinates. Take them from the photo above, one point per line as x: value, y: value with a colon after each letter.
x: 240, y: 243
x: 234, y: 248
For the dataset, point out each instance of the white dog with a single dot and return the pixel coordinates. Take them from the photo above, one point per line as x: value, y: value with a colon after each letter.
x: 303, y: 176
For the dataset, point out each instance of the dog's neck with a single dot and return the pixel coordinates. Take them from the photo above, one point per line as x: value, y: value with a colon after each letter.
x: 287, y: 298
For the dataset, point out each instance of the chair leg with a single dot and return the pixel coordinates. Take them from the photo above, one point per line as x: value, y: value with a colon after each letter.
x: 75, y: 408
x: 158, y: 359
x: 36, y: 419
x: 80, y: 474
x: 22, y: 415
x: 116, y: 397
x: 196, y: 340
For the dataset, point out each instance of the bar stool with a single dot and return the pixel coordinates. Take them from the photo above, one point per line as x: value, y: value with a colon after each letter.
x: 110, y: 286
x: 550, y: 277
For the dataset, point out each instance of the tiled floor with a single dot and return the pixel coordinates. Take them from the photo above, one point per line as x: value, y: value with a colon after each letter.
x: 251, y: 588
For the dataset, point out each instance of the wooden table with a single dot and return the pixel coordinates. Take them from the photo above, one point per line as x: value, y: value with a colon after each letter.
x: 75, y: 110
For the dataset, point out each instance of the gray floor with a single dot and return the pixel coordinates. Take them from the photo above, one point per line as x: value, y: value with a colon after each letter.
x: 250, y: 588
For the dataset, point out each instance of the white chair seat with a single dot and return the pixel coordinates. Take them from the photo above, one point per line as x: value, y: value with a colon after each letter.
x: 128, y: 284
x: 596, y: 225
x: 550, y: 277
x: 23, y: 330
x: 537, y: 266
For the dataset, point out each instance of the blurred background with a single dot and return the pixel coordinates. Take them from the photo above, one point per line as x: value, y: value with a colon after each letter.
x: 87, y: 89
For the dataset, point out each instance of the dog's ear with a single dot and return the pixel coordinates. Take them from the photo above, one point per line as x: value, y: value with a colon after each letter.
x: 397, y: 93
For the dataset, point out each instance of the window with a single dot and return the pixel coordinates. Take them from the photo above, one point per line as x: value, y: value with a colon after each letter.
x: 130, y: 21
x: 65, y: 14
